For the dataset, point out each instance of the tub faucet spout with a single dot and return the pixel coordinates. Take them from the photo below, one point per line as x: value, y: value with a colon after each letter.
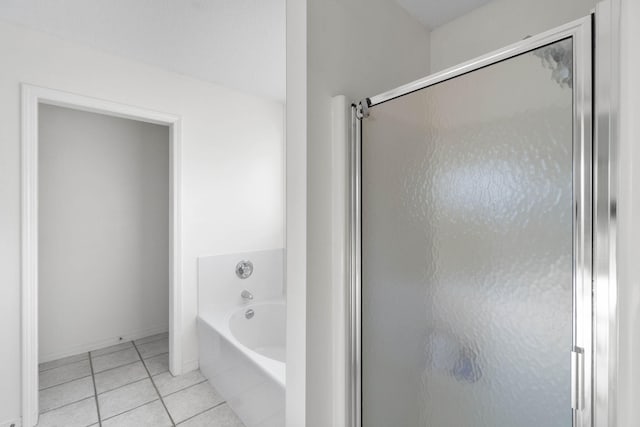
x: 246, y: 295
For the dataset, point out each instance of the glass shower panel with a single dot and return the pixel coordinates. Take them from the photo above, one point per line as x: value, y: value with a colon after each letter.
x: 467, y: 249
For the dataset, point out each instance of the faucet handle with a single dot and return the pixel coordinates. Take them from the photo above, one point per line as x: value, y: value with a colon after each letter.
x: 244, y: 269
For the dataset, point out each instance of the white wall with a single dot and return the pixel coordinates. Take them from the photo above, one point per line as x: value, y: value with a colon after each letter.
x: 103, y: 230
x: 237, y: 44
x: 498, y: 24
x: 232, y: 175
x: 358, y: 49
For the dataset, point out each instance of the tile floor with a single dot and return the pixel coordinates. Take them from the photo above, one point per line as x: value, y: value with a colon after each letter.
x: 128, y: 384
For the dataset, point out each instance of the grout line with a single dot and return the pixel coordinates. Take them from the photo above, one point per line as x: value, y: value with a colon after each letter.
x: 206, y: 410
x: 129, y: 410
x: 154, y: 386
x: 95, y: 391
x: 66, y: 382
x: 117, y: 367
x: 64, y: 364
x: 67, y: 404
x: 123, y: 385
x: 153, y: 340
x: 110, y: 352
x: 184, y: 388
x: 158, y: 355
x: 150, y: 357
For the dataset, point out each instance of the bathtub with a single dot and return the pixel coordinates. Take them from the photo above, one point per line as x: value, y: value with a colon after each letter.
x: 243, y: 358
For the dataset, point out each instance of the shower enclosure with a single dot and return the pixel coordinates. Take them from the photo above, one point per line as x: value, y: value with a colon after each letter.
x: 471, y: 237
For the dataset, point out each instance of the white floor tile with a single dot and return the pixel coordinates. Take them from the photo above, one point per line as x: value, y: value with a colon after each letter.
x: 156, y: 337
x: 60, y: 395
x: 150, y: 415
x: 126, y: 396
x: 65, y: 373
x: 220, y: 416
x: 117, y: 377
x: 79, y: 414
x: 191, y: 401
x: 111, y: 349
x: 157, y: 364
x: 153, y: 348
x: 167, y: 383
x: 113, y: 360
x: 130, y: 396
x: 64, y: 361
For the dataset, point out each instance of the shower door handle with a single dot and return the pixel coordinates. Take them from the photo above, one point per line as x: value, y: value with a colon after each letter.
x: 577, y: 378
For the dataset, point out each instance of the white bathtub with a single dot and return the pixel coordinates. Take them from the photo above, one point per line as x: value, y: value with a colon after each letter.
x: 244, y: 359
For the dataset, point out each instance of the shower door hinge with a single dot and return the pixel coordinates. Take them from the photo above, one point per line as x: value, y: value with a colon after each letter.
x: 362, y: 110
x: 577, y: 378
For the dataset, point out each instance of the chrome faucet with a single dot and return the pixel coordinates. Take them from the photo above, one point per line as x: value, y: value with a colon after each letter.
x: 246, y: 295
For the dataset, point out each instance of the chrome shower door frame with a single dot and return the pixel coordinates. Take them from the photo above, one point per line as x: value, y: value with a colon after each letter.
x: 580, y: 31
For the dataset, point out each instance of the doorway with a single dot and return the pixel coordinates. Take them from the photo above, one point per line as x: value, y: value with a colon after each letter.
x: 44, y: 104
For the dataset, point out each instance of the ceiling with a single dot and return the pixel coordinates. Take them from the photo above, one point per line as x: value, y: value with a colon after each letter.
x: 236, y: 43
x: 433, y: 13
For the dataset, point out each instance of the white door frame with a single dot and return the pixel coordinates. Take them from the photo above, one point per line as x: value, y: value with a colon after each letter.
x: 32, y: 96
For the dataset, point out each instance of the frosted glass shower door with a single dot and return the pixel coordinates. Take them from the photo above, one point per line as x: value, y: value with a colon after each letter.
x: 467, y: 288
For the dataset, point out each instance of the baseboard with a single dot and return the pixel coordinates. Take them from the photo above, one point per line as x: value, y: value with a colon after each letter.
x: 14, y: 423
x: 96, y: 345
x: 191, y: 365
